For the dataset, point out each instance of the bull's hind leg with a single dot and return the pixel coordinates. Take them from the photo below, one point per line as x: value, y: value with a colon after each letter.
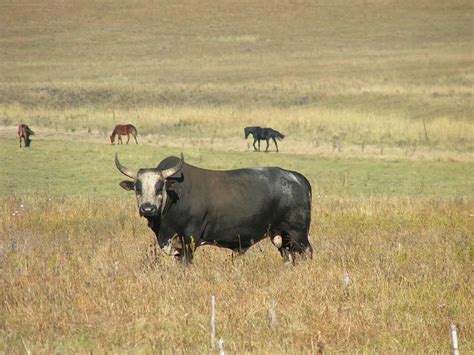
x: 187, y: 257
x: 297, y: 243
x: 292, y: 241
x: 282, y: 245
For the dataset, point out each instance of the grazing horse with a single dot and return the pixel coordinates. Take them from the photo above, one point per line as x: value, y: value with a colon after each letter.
x: 25, y: 132
x: 123, y: 130
x: 260, y: 133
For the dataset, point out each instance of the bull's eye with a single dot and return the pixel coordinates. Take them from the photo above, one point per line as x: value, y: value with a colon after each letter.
x: 158, y: 187
x: 138, y: 187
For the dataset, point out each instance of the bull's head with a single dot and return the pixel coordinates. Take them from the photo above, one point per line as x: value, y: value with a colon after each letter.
x: 149, y: 186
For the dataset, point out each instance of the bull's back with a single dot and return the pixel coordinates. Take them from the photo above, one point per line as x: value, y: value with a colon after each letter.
x: 242, y: 202
x: 241, y: 187
x: 250, y: 202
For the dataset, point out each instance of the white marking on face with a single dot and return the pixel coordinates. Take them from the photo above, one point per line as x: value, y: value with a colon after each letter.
x: 149, y: 188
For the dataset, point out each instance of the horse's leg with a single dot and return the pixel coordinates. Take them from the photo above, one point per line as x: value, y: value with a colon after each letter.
x: 20, y: 141
x: 128, y: 136
x: 254, y: 141
x: 120, y: 139
x: 259, y: 145
x: 266, y: 149
x: 135, y: 136
x: 276, y: 145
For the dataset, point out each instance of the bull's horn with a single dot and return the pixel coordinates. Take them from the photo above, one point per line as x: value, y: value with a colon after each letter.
x: 171, y: 171
x: 123, y: 169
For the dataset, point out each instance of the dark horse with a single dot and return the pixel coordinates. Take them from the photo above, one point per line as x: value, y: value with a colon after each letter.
x: 260, y: 133
x: 25, y: 132
x: 124, y: 130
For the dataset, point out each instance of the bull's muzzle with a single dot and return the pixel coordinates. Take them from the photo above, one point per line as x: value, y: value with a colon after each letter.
x: 148, y: 210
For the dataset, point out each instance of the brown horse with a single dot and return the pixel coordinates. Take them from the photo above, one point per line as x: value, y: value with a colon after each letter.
x: 123, y: 130
x: 25, y: 132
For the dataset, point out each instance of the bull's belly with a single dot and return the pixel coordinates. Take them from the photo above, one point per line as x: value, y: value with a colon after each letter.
x: 239, y: 238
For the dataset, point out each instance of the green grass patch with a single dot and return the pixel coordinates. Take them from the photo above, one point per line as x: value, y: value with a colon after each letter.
x: 72, y: 168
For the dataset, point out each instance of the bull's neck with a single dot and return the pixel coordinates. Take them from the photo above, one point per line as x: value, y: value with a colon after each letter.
x: 154, y: 223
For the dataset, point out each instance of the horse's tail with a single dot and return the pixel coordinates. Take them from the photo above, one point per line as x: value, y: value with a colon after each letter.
x: 278, y: 135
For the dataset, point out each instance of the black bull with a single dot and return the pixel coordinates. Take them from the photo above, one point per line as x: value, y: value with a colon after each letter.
x: 231, y: 209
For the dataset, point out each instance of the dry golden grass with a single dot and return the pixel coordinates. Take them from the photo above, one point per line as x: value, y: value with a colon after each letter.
x: 369, y: 73
x: 390, y: 79
x: 308, y: 130
x: 78, y: 274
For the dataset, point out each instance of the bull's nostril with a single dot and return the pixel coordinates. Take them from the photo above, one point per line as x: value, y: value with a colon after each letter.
x: 148, y: 209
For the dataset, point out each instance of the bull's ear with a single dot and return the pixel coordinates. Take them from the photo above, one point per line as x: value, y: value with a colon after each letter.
x: 127, y: 185
x: 170, y: 185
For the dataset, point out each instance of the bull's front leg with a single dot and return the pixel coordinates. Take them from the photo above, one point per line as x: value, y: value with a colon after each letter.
x: 189, y: 247
x: 181, y: 248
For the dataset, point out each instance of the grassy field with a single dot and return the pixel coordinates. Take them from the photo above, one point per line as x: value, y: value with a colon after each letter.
x: 78, y: 274
x: 79, y: 271
x: 71, y: 168
x: 375, y: 99
x: 388, y: 73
